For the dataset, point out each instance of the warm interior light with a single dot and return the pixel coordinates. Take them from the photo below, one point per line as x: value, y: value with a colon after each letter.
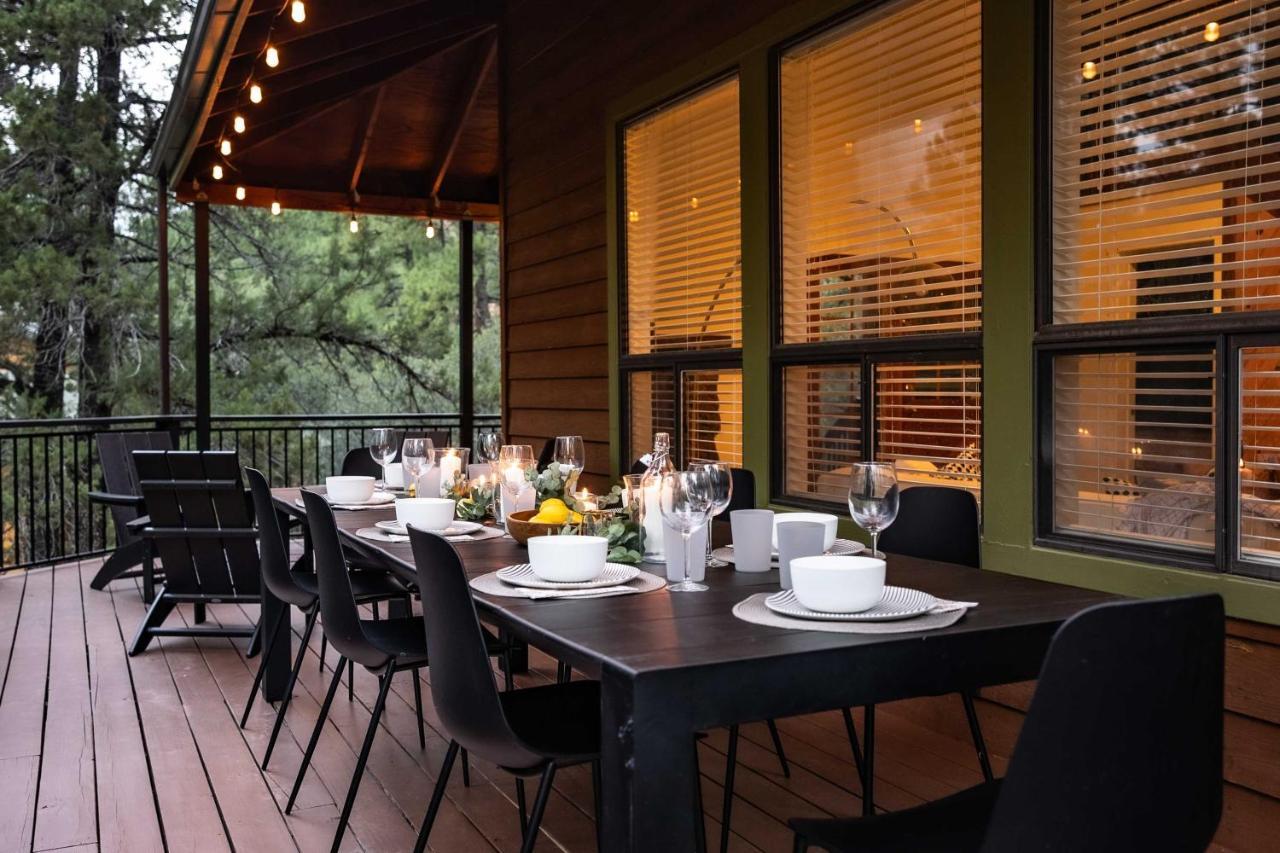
x: 217, y: 172
x: 919, y: 125
x: 275, y: 208
x: 273, y: 56
x: 1211, y: 31
x: 225, y: 147
x: 431, y: 229
x: 1089, y: 71
x: 354, y: 225
x: 255, y: 93
x: 298, y: 11
x: 238, y: 124
x: 633, y: 216
x: 693, y: 202
x: 848, y: 148
x: 239, y: 193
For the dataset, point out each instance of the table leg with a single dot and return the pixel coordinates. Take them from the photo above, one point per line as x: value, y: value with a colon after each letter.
x: 648, y: 766
x: 278, y: 664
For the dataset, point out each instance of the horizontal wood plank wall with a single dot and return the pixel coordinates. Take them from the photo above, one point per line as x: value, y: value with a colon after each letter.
x: 562, y: 69
x: 1251, y: 767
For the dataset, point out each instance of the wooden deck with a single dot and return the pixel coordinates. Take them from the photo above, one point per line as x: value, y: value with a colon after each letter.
x: 99, y: 751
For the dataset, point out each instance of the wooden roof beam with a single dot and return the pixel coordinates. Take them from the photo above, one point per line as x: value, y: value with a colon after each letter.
x: 449, y: 145
x: 363, y: 135
x: 338, y: 202
x: 323, y: 18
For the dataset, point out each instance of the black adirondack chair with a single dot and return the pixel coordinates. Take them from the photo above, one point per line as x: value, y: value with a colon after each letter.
x: 201, y: 527
x: 121, y: 495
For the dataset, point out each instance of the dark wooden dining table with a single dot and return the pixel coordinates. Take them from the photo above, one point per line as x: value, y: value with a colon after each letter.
x: 673, y: 664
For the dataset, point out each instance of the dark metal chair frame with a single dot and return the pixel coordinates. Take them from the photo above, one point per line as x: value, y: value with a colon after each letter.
x: 121, y: 495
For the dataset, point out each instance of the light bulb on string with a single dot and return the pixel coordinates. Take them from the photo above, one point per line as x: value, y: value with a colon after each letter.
x: 225, y: 147
x: 354, y: 224
x: 217, y: 171
x: 237, y: 124
x: 1212, y: 31
x: 255, y: 93
x: 273, y: 56
x: 240, y: 193
x: 298, y: 11
x: 275, y: 208
x: 431, y: 229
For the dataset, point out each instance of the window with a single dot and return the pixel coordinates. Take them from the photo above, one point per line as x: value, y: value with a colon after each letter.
x: 881, y: 249
x: 682, y: 283
x: 1165, y: 239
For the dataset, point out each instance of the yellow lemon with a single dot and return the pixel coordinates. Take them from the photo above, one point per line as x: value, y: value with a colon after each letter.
x: 552, y: 503
x: 551, y: 513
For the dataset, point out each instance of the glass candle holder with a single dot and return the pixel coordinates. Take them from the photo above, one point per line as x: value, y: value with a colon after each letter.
x: 452, y: 462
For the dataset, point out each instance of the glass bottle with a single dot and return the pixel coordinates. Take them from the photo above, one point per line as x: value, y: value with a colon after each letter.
x: 650, y: 484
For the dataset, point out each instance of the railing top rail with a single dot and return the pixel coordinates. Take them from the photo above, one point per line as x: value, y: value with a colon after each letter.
x: 308, y: 418
x: 179, y: 420
x: 45, y: 423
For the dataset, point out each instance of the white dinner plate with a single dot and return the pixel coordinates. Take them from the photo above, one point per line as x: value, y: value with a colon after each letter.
x: 522, y: 575
x: 456, y: 528
x: 376, y: 501
x: 898, y: 602
x: 840, y: 548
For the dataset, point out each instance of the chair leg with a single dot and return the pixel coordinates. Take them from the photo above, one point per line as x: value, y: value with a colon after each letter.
x: 324, y: 650
x: 700, y: 817
x: 563, y: 672
x: 160, y: 609
x: 597, y: 794
x: 351, y: 681
x: 262, y: 665
x: 437, y: 795
x: 521, y: 806
x: 975, y: 730
x: 417, y: 698
x: 384, y: 687
x: 730, y: 770
x: 293, y: 680
x: 853, y: 741
x: 539, y: 806
x: 508, y: 679
x: 149, y: 575
x: 201, y: 613
x: 777, y: 748
x: 466, y: 769
x: 315, y: 735
x: 868, y: 760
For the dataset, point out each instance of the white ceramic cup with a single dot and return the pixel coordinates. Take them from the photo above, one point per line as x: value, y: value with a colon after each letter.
x: 349, y: 490
x: 751, y: 529
x: 823, y: 518
x: 568, y: 558
x: 837, y: 584
x: 425, y: 513
x: 395, y: 476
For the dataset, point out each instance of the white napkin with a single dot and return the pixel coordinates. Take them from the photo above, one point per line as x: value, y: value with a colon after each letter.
x: 528, y: 592
x: 941, y: 605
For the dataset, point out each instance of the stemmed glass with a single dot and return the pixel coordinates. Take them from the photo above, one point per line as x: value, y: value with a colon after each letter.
x: 418, y: 456
x: 570, y: 453
x: 721, y: 482
x: 488, y: 445
x: 383, y: 443
x: 873, y: 498
x: 514, y: 463
x: 685, y: 501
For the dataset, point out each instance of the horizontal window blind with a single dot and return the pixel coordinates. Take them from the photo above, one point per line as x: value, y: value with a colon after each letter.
x: 1133, y: 446
x: 651, y: 404
x: 822, y: 430
x: 711, y: 429
x: 881, y: 175
x: 928, y: 420
x: 1164, y: 158
x: 683, y: 225
x: 1260, y: 454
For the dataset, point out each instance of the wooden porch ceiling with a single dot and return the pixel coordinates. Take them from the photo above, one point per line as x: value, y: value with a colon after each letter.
x: 373, y: 108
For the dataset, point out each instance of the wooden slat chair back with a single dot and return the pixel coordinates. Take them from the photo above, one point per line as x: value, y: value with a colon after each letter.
x: 201, y: 527
x: 123, y: 498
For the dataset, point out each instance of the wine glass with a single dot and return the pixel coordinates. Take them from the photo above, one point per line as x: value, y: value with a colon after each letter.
x: 516, y: 453
x: 721, y: 482
x: 570, y: 453
x: 514, y: 463
x: 383, y: 443
x: 684, y: 499
x: 488, y: 445
x: 873, y: 498
x: 417, y: 455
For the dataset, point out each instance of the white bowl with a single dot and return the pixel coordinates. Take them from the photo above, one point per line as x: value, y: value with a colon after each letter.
x: 568, y: 558
x: 395, y: 476
x: 349, y: 490
x: 425, y: 513
x: 838, y: 584
x: 826, y: 519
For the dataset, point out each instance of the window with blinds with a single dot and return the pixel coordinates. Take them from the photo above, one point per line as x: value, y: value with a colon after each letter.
x: 1163, y: 158
x: 651, y: 408
x: 822, y: 429
x: 711, y: 425
x: 1259, y: 497
x: 928, y: 421
x: 683, y: 280
x: 881, y: 175
x: 1133, y: 446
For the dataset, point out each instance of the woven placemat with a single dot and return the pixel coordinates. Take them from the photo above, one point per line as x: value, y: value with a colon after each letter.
x: 491, y: 585
x: 754, y: 610
x: 377, y: 534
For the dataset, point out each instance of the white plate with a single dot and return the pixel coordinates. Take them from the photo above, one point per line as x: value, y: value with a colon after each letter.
x: 456, y: 528
x: 378, y: 500
x: 898, y: 602
x: 841, y: 548
x: 522, y: 575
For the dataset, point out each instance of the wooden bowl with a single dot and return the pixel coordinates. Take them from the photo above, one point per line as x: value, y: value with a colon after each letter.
x: 522, y: 529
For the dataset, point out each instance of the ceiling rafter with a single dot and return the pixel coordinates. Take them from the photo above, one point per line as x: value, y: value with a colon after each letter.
x: 363, y: 136
x: 449, y: 144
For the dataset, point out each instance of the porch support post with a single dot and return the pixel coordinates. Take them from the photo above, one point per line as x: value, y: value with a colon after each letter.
x: 202, y: 324
x: 162, y: 250
x: 466, y: 327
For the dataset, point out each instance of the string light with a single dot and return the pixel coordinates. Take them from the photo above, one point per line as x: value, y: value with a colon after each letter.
x: 240, y: 193
x: 1211, y: 31
x: 1089, y: 70
x: 354, y: 224
x: 919, y: 125
x: 298, y: 11
x: 275, y: 208
x: 255, y: 93
x: 693, y: 202
x: 431, y: 229
x: 633, y: 216
x: 217, y: 171
x: 225, y: 147
x: 273, y: 56
x: 238, y: 124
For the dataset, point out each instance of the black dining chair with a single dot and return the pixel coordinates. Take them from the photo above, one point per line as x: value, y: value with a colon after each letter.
x: 296, y: 589
x: 1121, y: 749
x: 532, y: 731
